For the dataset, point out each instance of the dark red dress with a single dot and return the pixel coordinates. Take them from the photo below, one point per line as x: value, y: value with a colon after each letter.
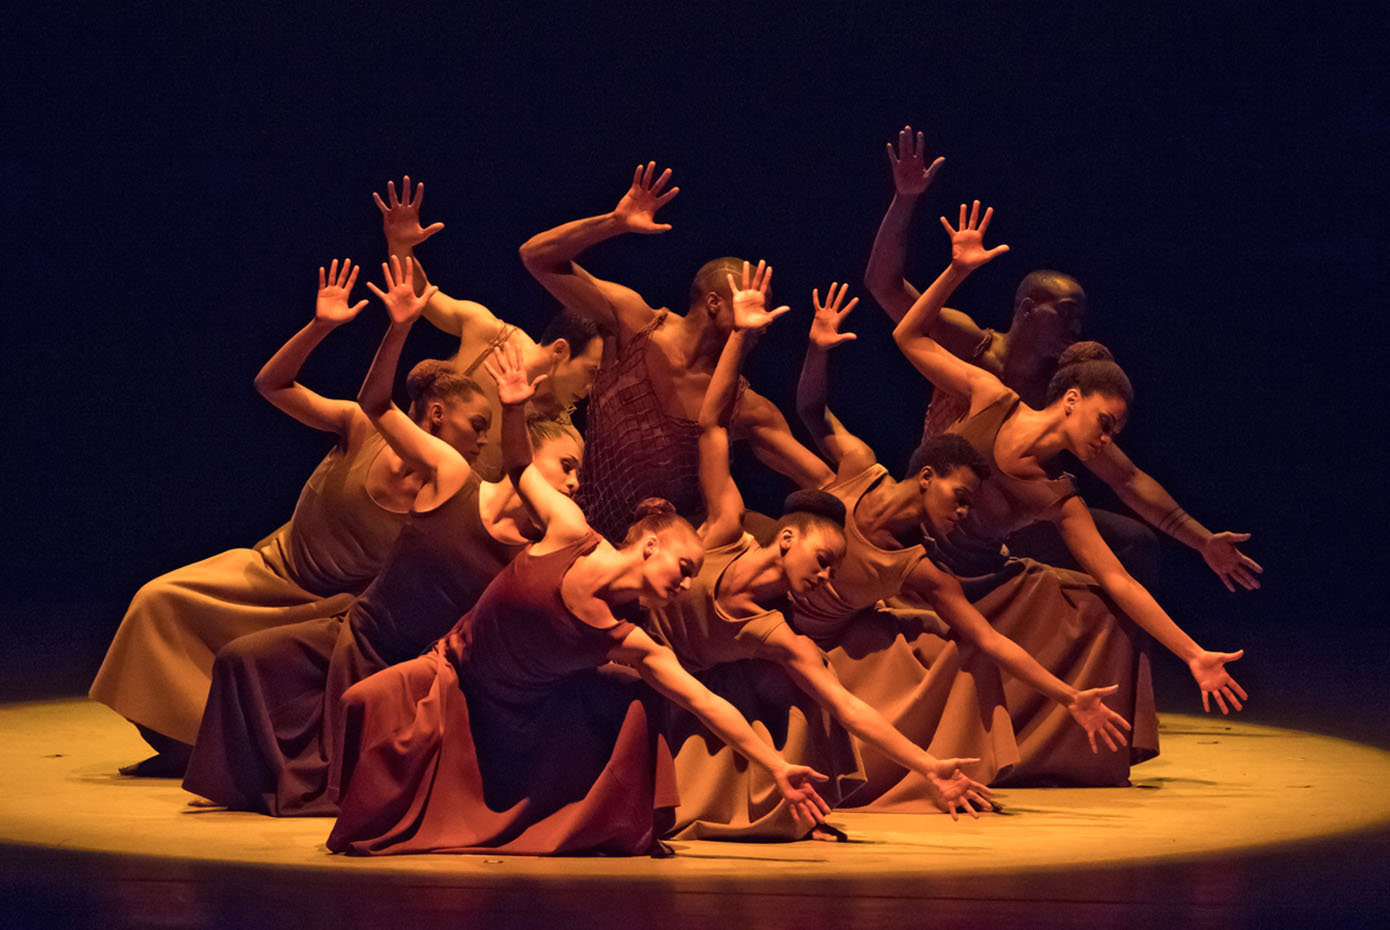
x: 506, y: 737
x: 273, y: 713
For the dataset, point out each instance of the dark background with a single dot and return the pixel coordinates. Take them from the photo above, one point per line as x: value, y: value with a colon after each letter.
x: 174, y: 176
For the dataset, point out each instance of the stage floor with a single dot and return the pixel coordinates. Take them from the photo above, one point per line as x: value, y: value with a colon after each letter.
x: 1232, y: 821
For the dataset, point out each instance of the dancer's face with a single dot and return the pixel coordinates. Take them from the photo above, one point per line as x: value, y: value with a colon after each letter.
x: 572, y: 376
x: 558, y: 461
x: 1091, y: 422
x: 946, y: 499
x: 810, y: 556
x: 463, y: 424
x: 671, y: 560
x: 1054, y: 323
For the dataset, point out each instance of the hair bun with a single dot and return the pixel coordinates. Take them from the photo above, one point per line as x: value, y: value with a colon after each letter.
x: 1085, y: 351
x: 820, y: 503
x: 651, y: 507
x: 423, y: 376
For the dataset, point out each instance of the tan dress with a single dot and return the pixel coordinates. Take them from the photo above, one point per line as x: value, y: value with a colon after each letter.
x: 1062, y: 618
x: 158, y: 668
x: 723, y: 796
x: 944, y: 695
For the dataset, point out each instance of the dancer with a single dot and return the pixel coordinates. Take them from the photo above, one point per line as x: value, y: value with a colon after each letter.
x: 935, y: 682
x: 568, y: 351
x: 640, y: 422
x: 722, y: 630
x: 157, y: 671
x: 268, y: 736
x: 505, y: 737
x: 1086, y: 406
x: 1049, y: 308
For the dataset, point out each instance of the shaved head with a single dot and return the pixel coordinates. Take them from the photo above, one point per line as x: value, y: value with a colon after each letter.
x: 714, y: 276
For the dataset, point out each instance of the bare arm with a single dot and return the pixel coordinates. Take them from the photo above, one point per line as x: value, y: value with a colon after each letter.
x: 658, y: 667
x: 549, y: 256
x: 1208, y: 668
x: 850, y: 454
x: 443, y: 466
x: 276, y: 381
x: 802, y: 660
x: 723, y: 503
x: 1145, y: 496
x: 944, y: 593
x: 913, y: 334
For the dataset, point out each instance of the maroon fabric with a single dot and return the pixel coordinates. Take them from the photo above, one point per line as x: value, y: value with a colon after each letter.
x: 505, y: 737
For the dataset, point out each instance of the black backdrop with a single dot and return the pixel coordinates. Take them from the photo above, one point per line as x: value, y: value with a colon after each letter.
x: 174, y: 176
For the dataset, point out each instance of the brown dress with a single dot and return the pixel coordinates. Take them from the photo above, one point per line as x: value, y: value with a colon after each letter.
x: 273, y: 712
x: 944, y: 695
x: 505, y: 737
x: 634, y: 448
x: 723, y: 795
x: 157, y: 670
x: 1062, y: 618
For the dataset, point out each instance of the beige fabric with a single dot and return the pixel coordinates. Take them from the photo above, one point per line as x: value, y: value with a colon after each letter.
x: 158, y: 668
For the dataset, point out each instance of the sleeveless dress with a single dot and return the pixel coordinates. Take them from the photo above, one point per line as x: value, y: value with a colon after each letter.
x: 723, y: 795
x: 634, y: 448
x: 1061, y: 617
x: 157, y: 670
x: 943, y: 694
x: 269, y: 734
x: 505, y: 737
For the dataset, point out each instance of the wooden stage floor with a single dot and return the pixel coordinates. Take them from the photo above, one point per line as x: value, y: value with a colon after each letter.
x: 1235, y: 824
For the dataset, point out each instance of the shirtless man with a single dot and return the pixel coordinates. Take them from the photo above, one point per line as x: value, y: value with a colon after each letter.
x: 1049, y: 308
x: 641, y: 423
x: 568, y: 352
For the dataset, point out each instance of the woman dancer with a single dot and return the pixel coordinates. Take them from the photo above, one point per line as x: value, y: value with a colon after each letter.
x: 267, y: 738
x: 746, y: 652
x: 1087, y: 402
x: 157, y: 671
x: 935, y: 682
x: 505, y: 737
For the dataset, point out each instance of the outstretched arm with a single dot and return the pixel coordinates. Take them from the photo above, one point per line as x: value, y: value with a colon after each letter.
x: 850, y: 454
x: 913, y: 334
x: 1087, y: 708
x: 950, y: 788
x: 658, y: 667
x: 400, y: 222
x: 276, y: 381
x: 549, y: 256
x: 1145, y: 496
x: 440, y: 462
x: 884, y: 277
x: 1208, y: 668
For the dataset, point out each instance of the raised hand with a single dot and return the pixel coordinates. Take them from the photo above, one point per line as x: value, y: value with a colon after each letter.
x: 402, y: 303
x: 910, y: 175
x: 750, y: 299
x: 334, y: 289
x: 1230, y: 564
x: 967, y: 241
x: 507, y: 370
x: 1209, y: 671
x: 796, y: 784
x: 637, y: 210
x: 950, y: 788
x: 825, y: 324
x: 1089, y: 711
x: 400, y: 217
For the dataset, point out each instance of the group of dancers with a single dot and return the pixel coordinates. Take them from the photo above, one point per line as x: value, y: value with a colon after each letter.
x: 482, y: 631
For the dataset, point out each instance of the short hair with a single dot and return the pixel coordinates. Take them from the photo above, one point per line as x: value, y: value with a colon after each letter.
x: 575, y: 328
x: 944, y: 454
x: 812, y: 509
x: 714, y: 276
x: 437, y: 380
x: 656, y: 515
x: 1090, y: 368
x: 545, y: 429
x: 1045, y: 284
